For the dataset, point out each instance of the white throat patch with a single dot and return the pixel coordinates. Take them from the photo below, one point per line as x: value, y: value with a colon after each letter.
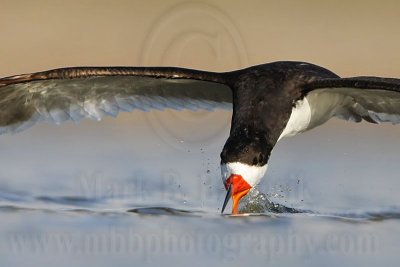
x: 251, y: 174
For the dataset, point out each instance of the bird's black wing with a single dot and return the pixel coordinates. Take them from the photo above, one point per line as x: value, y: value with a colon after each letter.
x: 93, y: 92
x: 373, y: 99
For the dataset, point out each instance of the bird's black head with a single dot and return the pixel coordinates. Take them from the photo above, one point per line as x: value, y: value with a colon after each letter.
x: 247, y: 146
x: 243, y: 163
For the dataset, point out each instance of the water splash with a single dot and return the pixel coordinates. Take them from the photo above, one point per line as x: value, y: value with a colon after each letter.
x: 257, y: 202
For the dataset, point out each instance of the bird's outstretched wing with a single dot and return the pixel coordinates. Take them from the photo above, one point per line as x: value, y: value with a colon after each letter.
x: 93, y: 92
x: 373, y: 99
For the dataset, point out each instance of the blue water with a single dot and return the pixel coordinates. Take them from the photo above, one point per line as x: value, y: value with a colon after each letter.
x: 145, y: 189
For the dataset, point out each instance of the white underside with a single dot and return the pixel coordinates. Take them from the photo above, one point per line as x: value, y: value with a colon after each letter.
x: 299, y: 119
x: 251, y: 174
x: 313, y: 110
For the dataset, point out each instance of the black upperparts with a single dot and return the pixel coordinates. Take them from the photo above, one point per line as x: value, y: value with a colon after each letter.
x: 263, y: 99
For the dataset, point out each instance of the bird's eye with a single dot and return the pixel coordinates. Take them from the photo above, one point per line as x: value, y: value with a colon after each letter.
x: 258, y: 159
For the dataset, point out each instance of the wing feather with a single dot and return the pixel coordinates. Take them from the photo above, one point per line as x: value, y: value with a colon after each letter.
x: 78, y: 93
x: 373, y: 99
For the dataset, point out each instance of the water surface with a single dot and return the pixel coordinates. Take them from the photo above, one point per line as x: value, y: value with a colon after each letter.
x: 132, y: 190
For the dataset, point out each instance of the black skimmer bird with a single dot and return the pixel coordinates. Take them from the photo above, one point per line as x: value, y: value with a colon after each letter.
x: 270, y: 101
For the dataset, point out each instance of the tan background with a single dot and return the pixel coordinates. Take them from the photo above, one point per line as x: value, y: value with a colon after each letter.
x: 349, y: 37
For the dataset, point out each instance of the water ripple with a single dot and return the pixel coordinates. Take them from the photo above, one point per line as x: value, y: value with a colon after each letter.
x: 256, y: 204
x: 164, y: 211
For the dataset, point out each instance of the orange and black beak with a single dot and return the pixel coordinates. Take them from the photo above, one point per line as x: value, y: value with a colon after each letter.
x: 236, y: 188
